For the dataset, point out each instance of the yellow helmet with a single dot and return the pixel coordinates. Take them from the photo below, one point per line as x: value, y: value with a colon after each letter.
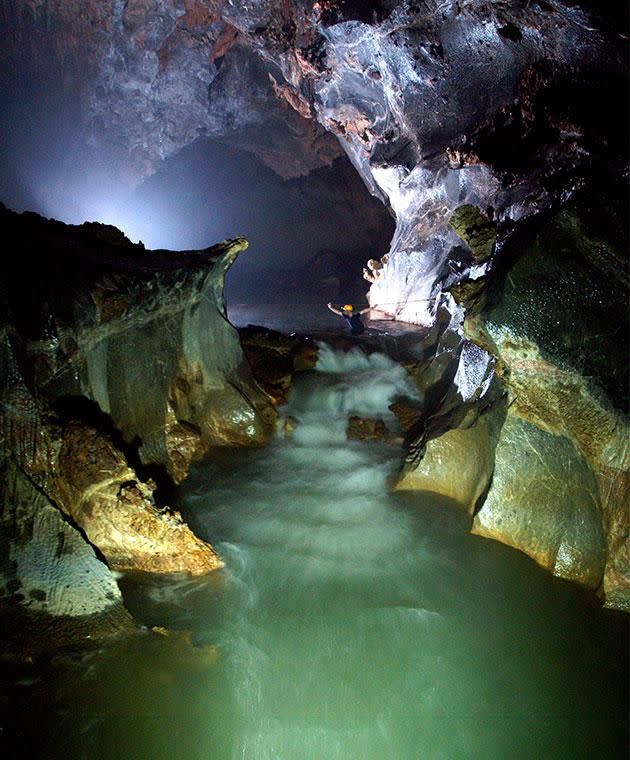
x: 347, y: 307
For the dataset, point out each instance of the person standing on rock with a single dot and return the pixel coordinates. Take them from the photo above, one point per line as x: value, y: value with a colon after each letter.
x: 352, y: 317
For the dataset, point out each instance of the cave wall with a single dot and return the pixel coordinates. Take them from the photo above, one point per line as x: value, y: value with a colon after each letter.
x: 506, y: 106
x: 559, y: 329
x: 116, y: 364
x: 143, y: 334
x: 546, y: 470
x: 510, y: 109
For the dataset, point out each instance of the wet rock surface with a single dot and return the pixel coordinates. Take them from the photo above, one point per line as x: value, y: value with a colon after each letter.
x: 458, y: 464
x: 62, y: 577
x: 96, y: 488
x: 557, y: 331
x: 552, y: 327
x: 394, y: 83
x: 544, y: 500
x: 114, y: 360
x: 143, y: 334
x: 275, y: 357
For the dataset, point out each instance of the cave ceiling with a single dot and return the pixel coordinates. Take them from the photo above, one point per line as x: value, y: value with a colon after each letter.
x: 507, y: 105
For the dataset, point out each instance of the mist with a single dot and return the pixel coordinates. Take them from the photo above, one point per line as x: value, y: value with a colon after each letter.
x: 208, y: 192
x: 352, y: 623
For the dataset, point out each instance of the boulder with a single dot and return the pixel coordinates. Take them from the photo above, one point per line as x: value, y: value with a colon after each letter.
x: 459, y: 463
x: 544, y: 501
x: 275, y: 357
x: 47, y: 567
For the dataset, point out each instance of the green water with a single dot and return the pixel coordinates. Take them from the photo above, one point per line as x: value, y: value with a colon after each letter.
x: 349, y: 623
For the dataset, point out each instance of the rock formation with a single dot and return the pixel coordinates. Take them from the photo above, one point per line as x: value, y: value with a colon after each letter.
x: 275, y: 358
x: 47, y: 565
x: 115, y: 360
x: 477, y: 124
x: 559, y: 487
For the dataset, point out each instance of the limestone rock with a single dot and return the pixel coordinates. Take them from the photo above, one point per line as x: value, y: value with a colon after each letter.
x: 113, y: 351
x: 407, y: 416
x: 46, y: 566
x: 470, y: 293
x: 371, y: 430
x: 561, y: 402
x: 544, y: 500
x: 560, y: 296
x: 476, y: 230
x: 275, y: 358
x: 459, y: 463
x: 614, y: 489
x: 142, y: 333
x: 81, y: 472
x: 289, y: 425
x: 94, y: 485
x: 250, y: 109
x: 557, y: 333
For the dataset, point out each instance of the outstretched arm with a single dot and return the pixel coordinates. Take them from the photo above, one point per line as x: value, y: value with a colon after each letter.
x: 334, y: 311
x: 365, y: 311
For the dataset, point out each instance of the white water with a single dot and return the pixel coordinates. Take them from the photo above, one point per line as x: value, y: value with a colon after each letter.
x: 354, y: 631
x: 311, y: 536
x: 350, y: 623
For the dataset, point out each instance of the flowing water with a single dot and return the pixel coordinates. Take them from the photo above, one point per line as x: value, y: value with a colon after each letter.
x: 349, y: 623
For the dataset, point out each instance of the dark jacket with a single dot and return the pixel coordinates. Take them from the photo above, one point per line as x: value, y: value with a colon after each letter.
x: 355, y: 323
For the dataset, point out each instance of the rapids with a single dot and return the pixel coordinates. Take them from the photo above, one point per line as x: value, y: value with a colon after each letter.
x: 350, y: 622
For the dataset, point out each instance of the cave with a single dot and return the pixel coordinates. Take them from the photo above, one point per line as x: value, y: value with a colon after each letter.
x: 314, y: 431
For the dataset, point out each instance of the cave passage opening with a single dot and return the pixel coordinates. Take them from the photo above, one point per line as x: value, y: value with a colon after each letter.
x: 310, y: 236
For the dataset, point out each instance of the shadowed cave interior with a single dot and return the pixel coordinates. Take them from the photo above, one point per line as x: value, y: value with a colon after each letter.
x: 235, y: 523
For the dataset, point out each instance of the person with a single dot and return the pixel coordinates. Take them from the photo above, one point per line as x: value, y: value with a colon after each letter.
x: 352, y: 317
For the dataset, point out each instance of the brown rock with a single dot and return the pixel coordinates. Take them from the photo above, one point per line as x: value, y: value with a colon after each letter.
x: 94, y: 485
x: 48, y: 568
x: 406, y: 416
x: 544, y: 501
x: 476, y: 230
x: 274, y: 358
x: 459, y: 463
x: 371, y: 430
x: 564, y: 404
x: 288, y: 426
x: 183, y: 446
x: 91, y: 482
x: 470, y: 294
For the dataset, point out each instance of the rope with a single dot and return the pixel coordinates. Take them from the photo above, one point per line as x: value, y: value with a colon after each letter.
x: 380, y: 303
x: 394, y: 313
x: 404, y: 303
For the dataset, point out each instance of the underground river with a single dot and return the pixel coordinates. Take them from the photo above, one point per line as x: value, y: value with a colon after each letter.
x: 349, y: 622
